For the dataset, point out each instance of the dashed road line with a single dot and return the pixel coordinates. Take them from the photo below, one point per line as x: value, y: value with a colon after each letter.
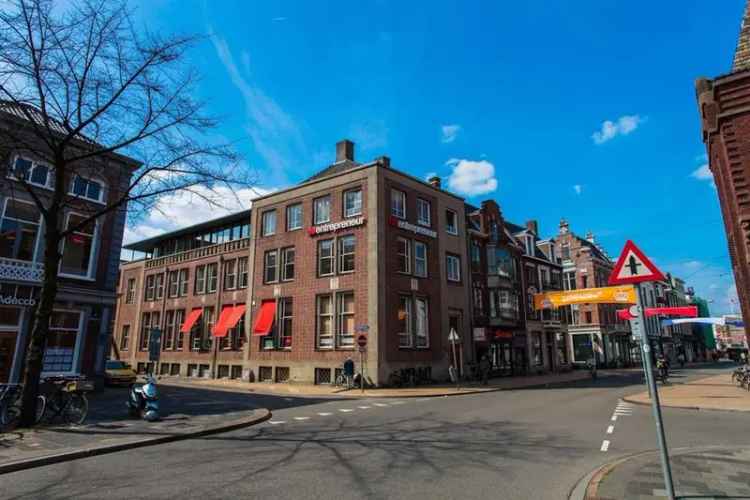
x: 397, y: 403
x: 345, y: 410
x: 301, y: 418
x: 276, y: 422
x: 610, y: 429
x: 325, y: 414
x: 614, y: 418
x: 380, y: 404
x: 605, y: 445
x: 363, y: 407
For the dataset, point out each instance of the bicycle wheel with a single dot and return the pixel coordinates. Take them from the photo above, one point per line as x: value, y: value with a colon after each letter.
x: 41, y: 407
x: 9, y: 415
x: 76, y: 409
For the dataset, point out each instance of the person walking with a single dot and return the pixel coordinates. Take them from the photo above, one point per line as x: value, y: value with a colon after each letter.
x: 484, y: 369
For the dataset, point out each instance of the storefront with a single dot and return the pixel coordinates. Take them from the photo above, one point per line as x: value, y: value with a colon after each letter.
x: 16, y: 306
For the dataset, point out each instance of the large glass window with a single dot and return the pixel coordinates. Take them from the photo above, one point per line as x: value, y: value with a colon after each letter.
x: 398, y: 203
x: 404, y: 321
x: 287, y: 263
x: 59, y: 352
x: 423, y: 212
x: 169, y: 331
x: 403, y: 253
x: 420, y: 259
x: 569, y: 280
x: 347, y: 246
x: 271, y: 266
x: 422, y: 329
x: 79, y: 248
x: 294, y: 217
x: 322, y: 210
x: 19, y: 230
x: 268, y: 224
x: 352, y: 203
x: 582, y: 349
x: 345, y: 330
x: 325, y: 321
x: 326, y: 259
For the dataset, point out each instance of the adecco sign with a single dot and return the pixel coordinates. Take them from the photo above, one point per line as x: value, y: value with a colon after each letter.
x: 8, y: 300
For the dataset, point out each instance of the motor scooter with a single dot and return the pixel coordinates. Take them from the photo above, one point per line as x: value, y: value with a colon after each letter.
x: 143, y: 400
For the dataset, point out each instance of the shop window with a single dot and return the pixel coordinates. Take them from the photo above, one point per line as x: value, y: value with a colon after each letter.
x: 582, y: 349
x: 294, y: 217
x: 451, y: 222
x: 398, y: 204
x: 236, y: 335
x: 562, y: 348
x: 59, y: 352
x: 287, y: 263
x: 19, y: 230
x: 420, y: 259
x: 268, y: 223
x: 271, y: 266
x: 326, y: 258
x: 78, y: 248
x: 322, y: 210
x: 285, y: 319
x: 236, y: 372
x: 403, y: 255
x: 352, y: 203
x: 222, y: 371
x: 423, y: 212
x: 347, y: 246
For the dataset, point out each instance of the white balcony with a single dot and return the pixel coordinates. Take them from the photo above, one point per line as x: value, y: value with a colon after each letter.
x: 21, y: 271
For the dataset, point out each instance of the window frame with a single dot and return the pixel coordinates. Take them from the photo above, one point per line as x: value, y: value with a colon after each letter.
x: 425, y: 322
x: 264, y: 226
x: 421, y: 204
x: 448, y: 230
x: 331, y: 257
x: 266, y: 254
x: 395, y: 194
x: 417, y: 259
x: 125, y: 337
x: 91, y: 270
x: 301, y: 216
x: 281, y: 327
x: 230, y: 271
x: 242, y: 272
x: 49, y: 184
x: 173, y: 284
x: 341, y: 255
x: 149, y: 288
x: 130, y: 291
x: 183, y: 281
x: 102, y: 199
x: 212, y: 277
x: 406, y: 256
x: 341, y: 316
x: 408, y: 300
x: 331, y: 315
x: 457, y: 259
x: 200, y: 277
x: 327, y: 198
x: 38, y: 234
x: 285, y: 264
x: 357, y: 211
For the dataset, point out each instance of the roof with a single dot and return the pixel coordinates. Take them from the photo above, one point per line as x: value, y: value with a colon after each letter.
x: 149, y: 243
x: 516, y: 229
x: 333, y: 170
x: 742, y: 52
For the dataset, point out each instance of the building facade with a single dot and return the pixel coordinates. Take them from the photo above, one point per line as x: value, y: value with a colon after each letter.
x: 725, y: 125
x: 357, y: 249
x: 80, y: 327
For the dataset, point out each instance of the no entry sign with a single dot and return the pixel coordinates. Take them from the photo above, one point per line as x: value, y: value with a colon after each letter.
x: 362, y: 340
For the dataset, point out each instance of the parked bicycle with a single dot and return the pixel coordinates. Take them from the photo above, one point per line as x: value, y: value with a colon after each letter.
x: 67, y: 399
x: 11, y: 396
x: 742, y: 377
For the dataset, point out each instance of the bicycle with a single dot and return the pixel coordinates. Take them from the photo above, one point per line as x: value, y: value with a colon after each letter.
x: 343, y: 381
x: 11, y: 399
x: 67, y: 400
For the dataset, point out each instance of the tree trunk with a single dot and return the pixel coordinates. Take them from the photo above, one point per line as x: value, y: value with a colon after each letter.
x: 36, y: 345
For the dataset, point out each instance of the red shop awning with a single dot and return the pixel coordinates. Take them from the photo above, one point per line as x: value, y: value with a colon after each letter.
x: 191, y: 319
x: 266, y: 315
x: 228, y: 318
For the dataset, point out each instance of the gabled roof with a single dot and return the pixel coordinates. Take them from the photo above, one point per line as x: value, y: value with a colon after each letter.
x: 333, y: 170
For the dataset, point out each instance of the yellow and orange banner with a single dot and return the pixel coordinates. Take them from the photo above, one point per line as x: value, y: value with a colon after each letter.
x: 624, y: 294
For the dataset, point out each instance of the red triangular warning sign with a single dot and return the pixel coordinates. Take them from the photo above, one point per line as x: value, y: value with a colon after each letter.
x: 634, y: 267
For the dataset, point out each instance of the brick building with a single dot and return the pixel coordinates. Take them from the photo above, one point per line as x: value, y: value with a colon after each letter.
x: 79, y: 335
x: 358, y: 247
x: 725, y: 124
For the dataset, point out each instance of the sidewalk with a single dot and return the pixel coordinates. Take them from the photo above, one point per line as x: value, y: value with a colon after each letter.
x: 712, y: 393
x: 187, y: 414
x: 697, y: 473
x: 310, y: 390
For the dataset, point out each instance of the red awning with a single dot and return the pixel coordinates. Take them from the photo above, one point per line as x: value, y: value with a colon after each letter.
x: 687, y: 311
x: 191, y: 319
x: 228, y: 318
x: 265, y: 318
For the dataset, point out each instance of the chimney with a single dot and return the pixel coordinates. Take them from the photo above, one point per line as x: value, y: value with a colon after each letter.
x: 344, y: 150
x: 384, y: 161
x: 533, y: 226
x: 590, y: 237
x: 434, y: 181
x: 564, y: 226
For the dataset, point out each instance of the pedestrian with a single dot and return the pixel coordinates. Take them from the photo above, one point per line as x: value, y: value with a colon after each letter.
x: 484, y: 369
x: 681, y: 359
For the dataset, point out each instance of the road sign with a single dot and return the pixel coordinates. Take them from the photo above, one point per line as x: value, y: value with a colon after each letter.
x: 453, y: 336
x: 634, y: 267
x: 362, y: 340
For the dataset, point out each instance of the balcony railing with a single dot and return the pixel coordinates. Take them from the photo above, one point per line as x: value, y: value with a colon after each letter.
x: 198, y: 253
x: 21, y: 270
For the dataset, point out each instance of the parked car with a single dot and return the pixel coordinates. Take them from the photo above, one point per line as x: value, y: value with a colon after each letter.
x: 118, y: 373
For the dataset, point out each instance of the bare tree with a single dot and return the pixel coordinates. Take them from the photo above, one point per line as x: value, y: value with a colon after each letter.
x: 95, y: 95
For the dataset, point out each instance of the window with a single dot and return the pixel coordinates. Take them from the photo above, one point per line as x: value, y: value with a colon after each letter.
x: 421, y: 330
x: 322, y: 210
x: 235, y: 338
x: 87, y: 188
x: 32, y: 172
x: 451, y: 222
x: 62, y: 337
x: 404, y: 321
x: 125, y: 338
x: 345, y: 324
x: 582, y: 348
x: 324, y: 309
x: 212, y: 272
x: 200, y: 334
x: 494, y: 302
x: 476, y: 257
x: 149, y: 322
x: 536, y: 345
x: 242, y: 272
x: 179, y: 316
x: 78, y: 248
x: 149, y: 294
x: 403, y: 253
x: 565, y: 251
x: 200, y: 280
x: 347, y: 246
x: 286, y: 315
x: 352, y: 203
x: 268, y: 223
x: 453, y: 267
x: 230, y: 275
x: 130, y: 293
x: 529, y: 245
x: 173, y: 284
x: 326, y: 258
x: 271, y: 266
x: 19, y: 230
x: 159, y: 285
x: 183, y: 278
x: 294, y: 217
x: 585, y: 281
x: 423, y: 212
x: 569, y: 280
x: 169, y: 330
x: 589, y: 319
x: 287, y: 263
x: 478, y: 301
x: 420, y: 259
x: 398, y: 203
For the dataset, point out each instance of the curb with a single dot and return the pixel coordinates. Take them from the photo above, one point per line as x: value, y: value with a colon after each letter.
x: 93, y: 451
x: 695, y: 408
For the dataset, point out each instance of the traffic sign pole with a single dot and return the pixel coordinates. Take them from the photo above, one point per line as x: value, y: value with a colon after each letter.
x: 655, y: 407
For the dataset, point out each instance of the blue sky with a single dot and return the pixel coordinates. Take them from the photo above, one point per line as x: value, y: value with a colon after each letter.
x: 506, y: 100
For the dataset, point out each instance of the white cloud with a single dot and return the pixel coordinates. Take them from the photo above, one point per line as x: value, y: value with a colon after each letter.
x: 472, y: 178
x: 449, y: 133
x: 624, y: 125
x: 577, y: 188
x: 370, y: 135
x: 702, y: 173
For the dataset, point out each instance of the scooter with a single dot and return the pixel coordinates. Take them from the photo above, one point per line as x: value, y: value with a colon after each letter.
x: 143, y: 400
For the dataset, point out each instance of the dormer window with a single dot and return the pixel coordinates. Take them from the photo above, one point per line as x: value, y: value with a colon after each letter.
x: 87, y: 188
x: 529, y: 245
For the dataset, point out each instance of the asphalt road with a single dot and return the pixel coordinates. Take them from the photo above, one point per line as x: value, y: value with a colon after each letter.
x: 524, y: 444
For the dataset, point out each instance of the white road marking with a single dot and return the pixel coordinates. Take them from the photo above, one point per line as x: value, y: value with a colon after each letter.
x: 397, y: 403
x: 614, y: 418
x: 424, y: 399
x: 345, y: 410
x: 610, y: 429
x: 381, y: 404
x: 301, y: 418
x: 363, y: 407
x: 605, y: 445
x: 276, y: 422
x: 325, y: 414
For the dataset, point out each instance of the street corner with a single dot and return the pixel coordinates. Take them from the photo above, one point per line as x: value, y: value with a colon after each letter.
x: 23, y: 450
